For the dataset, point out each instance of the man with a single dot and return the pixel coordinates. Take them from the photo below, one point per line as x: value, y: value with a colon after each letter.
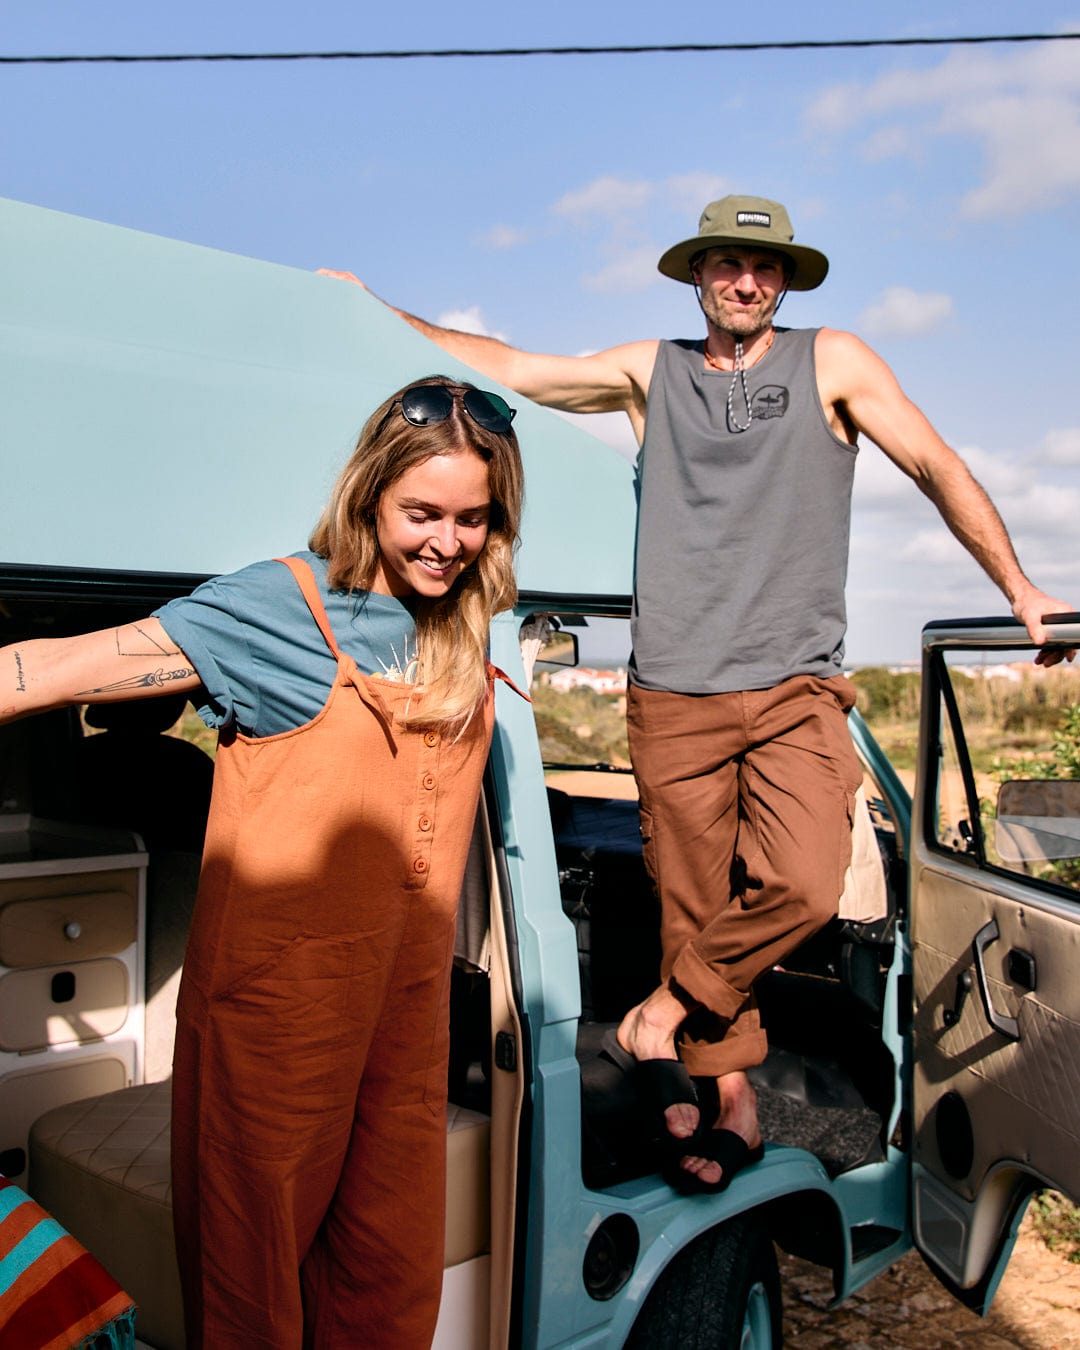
x: 737, y: 701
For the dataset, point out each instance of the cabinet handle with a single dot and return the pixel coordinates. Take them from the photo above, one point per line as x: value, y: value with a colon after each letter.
x: 73, y: 930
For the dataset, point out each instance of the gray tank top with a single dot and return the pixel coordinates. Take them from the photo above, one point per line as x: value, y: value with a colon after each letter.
x: 742, y: 539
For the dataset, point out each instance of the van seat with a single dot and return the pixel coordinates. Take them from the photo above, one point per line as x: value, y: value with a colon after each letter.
x: 101, y: 1168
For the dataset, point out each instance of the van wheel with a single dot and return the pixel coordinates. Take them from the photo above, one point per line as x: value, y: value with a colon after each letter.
x: 721, y: 1293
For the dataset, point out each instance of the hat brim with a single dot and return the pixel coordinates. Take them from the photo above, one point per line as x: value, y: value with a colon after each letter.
x: 811, y: 267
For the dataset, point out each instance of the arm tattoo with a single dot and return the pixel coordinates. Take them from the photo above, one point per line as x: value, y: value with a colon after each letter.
x: 132, y: 640
x: 20, y: 678
x: 153, y: 679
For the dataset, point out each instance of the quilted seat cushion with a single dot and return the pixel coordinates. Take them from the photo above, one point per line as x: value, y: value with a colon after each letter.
x: 101, y: 1167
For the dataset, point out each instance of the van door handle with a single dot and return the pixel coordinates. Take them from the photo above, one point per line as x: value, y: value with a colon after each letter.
x: 1005, y: 1026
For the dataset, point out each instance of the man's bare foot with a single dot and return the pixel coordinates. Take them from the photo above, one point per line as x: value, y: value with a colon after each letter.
x: 648, y: 1032
x: 738, y: 1113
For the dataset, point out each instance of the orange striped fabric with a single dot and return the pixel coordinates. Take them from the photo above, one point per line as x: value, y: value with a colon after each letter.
x: 53, y: 1294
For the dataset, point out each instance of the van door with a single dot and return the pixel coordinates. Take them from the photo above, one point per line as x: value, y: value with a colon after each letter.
x: 995, y: 905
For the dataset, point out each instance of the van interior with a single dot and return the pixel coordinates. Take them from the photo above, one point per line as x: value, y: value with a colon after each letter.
x: 100, y: 831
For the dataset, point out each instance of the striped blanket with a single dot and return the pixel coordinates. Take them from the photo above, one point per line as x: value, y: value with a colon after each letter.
x: 53, y: 1294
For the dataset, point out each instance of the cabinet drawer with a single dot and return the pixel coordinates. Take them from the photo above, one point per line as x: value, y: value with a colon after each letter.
x: 29, y: 1093
x: 97, y: 919
x: 61, y: 1005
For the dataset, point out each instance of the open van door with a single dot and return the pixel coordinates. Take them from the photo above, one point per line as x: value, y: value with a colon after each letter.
x: 995, y: 929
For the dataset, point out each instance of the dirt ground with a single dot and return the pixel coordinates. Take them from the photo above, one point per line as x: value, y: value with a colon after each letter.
x: 1037, y: 1307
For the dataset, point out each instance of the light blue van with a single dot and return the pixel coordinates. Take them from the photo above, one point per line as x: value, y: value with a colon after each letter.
x: 167, y: 413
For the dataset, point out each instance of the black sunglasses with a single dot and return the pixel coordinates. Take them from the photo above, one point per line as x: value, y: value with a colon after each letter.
x: 424, y: 405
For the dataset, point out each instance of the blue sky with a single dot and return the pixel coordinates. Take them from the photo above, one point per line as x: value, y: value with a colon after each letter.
x: 531, y: 198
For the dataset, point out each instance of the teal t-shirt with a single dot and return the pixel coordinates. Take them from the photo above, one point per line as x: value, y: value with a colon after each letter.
x: 264, y: 664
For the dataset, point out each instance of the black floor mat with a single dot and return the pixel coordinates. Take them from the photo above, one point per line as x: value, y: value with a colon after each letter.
x: 811, y: 1103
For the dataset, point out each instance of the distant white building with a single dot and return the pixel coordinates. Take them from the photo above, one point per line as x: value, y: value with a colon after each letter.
x: 1014, y: 674
x: 585, y: 677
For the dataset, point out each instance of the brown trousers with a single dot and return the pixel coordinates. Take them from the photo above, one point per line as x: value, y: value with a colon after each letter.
x: 746, y: 814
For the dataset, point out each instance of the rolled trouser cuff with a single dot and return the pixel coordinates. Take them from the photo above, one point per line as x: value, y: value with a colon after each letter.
x: 723, y: 1034
x: 703, y: 985
x: 735, y: 1053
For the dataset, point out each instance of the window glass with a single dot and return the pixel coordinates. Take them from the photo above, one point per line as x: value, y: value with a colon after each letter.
x: 1021, y: 728
x: 579, y: 699
x: 955, y: 826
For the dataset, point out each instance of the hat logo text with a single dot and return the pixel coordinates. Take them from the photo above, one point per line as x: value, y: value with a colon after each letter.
x: 754, y: 218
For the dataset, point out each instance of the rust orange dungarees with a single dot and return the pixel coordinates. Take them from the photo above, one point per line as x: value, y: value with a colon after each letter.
x: 309, y: 1085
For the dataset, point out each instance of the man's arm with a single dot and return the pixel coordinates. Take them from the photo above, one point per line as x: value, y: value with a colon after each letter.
x: 137, y: 660
x: 616, y: 380
x: 863, y: 392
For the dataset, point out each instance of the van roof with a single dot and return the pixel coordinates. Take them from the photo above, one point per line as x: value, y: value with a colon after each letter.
x: 171, y: 408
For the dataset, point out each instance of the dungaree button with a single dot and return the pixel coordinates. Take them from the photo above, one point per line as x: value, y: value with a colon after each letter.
x: 424, y: 822
x: 431, y: 738
x: 428, y: 781
x: 419, y: 865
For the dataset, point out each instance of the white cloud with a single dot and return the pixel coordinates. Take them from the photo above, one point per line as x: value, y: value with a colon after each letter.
x: 880, y: 485
x: 1022, y: 107
x: 901, y: 312
x: 835, y: 109
x: 628, y: 214
x: 1001, y: 475
x: 813, y: 208
x: 906, y: 566
x: 604, y: 197
x: 895, y: 527
x: 504, y: 237
x: 1044, y: 511
x: 891, y: 143
x: 933, y: 547
x: 467, y: 321
x: 1061, y: 447
x: 691, y: 191
x: 1032, y: 151
x: 612, y: 428
x: 630, y: 270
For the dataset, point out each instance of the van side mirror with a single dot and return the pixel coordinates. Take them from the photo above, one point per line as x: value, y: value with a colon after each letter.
x: 560, y: 649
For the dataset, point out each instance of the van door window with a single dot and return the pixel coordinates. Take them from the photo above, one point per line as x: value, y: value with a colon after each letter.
x: 1007, y: 787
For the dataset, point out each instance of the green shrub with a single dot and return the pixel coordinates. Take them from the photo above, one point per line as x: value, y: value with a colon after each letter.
x: 1057, y: 1222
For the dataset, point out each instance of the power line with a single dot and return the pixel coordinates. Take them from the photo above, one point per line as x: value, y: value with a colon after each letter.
x: 474, y: 52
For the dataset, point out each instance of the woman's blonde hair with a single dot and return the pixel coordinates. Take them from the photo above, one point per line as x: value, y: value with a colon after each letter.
x: 452, y: 631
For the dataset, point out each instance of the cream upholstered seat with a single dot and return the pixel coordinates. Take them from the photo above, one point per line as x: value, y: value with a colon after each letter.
x: 101, y: 1167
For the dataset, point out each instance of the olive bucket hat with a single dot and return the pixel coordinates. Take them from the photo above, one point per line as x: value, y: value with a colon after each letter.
x: 747, y: 222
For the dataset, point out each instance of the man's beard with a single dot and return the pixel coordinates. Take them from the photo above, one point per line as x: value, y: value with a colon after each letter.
x: 741, y: 323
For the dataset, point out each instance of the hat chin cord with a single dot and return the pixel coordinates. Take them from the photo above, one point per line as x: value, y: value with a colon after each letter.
x: 738, y: 370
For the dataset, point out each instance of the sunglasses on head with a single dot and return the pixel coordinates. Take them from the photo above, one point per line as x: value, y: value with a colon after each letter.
x: 424, y: 405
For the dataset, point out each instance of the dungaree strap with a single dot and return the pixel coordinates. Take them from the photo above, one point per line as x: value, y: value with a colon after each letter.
x: 305, y: 579
x: 309, y: 589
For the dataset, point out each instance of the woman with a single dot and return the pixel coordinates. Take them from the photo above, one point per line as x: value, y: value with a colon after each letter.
x: 354, y: 699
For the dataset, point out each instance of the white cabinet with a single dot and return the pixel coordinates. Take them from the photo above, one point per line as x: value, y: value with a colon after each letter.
x: 72, y: 916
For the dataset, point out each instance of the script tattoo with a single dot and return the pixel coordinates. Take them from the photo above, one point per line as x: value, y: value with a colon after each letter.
x: 152, y: 679
x: 20, y: 682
